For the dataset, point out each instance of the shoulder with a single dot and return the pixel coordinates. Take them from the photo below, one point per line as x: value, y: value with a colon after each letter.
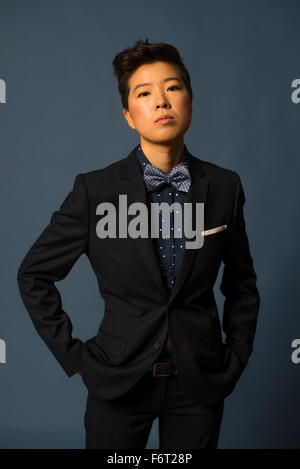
x: 106, y: 179
x: 217, y: 173
x: 103, y: 182
x: 110, y: 170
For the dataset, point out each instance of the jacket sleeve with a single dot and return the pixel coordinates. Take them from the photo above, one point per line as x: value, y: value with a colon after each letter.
x: 49, y: 260
x: 238, y: 285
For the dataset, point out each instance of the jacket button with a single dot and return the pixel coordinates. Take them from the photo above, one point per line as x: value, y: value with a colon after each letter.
x: 156, y: 345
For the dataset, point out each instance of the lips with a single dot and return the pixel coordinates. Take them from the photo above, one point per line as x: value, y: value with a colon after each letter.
x: 166, y: 116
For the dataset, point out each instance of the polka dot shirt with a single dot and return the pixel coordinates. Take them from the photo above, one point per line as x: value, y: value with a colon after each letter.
x: 169, y: 249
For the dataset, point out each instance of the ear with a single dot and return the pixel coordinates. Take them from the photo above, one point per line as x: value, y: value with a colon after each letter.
x: 128, y: 118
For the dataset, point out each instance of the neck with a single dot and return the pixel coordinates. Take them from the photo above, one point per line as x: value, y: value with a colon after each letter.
x: 163, y: 156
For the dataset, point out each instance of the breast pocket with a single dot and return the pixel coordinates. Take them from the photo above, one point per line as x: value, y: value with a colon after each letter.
x: 220, y: 236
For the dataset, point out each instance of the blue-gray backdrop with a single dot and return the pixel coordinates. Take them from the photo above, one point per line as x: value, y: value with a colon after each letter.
x: 63, y: 116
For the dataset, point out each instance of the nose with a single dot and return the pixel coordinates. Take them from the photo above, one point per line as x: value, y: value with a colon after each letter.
x: 162, y: 104
x: 162, y: 101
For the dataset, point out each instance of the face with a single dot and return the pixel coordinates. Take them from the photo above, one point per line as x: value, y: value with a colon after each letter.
x: 157, y: 89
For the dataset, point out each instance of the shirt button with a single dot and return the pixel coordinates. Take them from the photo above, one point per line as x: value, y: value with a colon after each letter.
x: 156, y: 345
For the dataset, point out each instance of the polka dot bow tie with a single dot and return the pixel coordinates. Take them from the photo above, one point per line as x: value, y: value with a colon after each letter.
x: 179, y: 177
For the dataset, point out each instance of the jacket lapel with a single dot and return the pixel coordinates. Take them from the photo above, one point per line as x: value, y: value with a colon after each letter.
x: 133, y: 186
x: 197, y: 193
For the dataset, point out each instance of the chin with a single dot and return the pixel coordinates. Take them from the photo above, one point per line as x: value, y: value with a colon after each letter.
x: 167, y: 141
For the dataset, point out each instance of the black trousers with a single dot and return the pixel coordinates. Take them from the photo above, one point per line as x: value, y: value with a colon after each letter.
x: 125, y: 422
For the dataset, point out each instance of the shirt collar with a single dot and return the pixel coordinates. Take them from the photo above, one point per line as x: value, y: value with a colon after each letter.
x: 143, y: 160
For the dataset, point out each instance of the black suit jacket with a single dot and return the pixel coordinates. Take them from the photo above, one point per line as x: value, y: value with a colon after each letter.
x: 138, y: 307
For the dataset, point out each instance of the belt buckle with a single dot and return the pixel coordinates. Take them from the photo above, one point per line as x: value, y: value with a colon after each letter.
x: 156, y: 364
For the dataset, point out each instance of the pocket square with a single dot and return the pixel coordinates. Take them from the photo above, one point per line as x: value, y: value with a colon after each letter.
x: 214, y: 230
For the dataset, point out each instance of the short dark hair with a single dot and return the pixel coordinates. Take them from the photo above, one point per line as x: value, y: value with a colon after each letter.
x: 144, y: 52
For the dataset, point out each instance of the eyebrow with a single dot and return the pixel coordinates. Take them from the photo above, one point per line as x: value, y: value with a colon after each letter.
x: 148, y: 83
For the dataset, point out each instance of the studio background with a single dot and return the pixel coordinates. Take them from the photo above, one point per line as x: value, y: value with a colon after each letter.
x: 63, y: 116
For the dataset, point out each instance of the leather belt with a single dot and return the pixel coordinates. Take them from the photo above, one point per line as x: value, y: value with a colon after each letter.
x: 160, y: 369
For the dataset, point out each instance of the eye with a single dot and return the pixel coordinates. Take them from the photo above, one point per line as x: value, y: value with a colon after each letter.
x: 142, y: 93
x: 173, y: 86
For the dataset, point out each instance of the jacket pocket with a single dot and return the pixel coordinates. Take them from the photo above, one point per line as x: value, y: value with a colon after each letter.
x: 111, y: 344
x: 214, y: 237
x: 214, y: 338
